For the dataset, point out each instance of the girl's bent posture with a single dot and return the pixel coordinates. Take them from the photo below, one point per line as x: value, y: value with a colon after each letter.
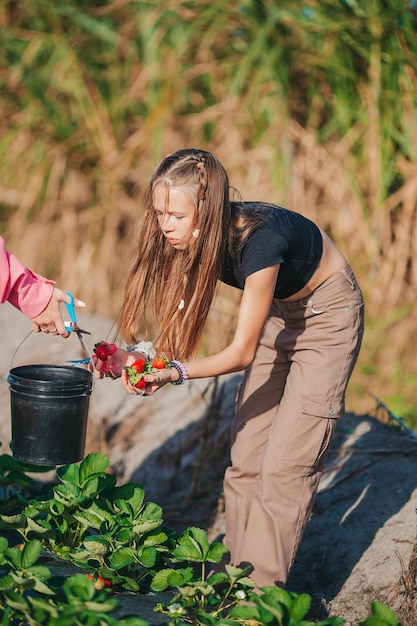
x: 298, y: 335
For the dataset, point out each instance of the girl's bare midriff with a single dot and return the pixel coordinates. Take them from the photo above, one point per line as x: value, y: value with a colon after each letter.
x: 331, y: 262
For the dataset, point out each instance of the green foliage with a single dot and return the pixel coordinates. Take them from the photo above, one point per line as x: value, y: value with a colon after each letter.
x: 381, y: 616
x: 115, y: 535
x: 108, y: 530
x: 24, y: 594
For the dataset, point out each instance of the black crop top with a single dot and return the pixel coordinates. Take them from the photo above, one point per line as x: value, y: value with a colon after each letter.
x: 283, y: 237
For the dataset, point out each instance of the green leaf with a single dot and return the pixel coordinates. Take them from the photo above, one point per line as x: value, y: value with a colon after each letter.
x: 69, y: 474
x: 45, y: 605
x: 56, y: 507
x: 186, y: 550
x: 4, y: 544
x: 42, y: 588
x: 129, y: 583
x: 8, y: 463
x: 248, y: 612
x: 125, y: 536
x: 171, y: 578
x: 129, y: 498
x: 122, y: 558
x: 89, y: 518
x: 79, y: 587
x: 379, y: 610
x: 200, y: 536
x: 145, y: 526
x: 147, y: 556
x: 15, y: 556
x: 233, y: 572
x: 6, y: 582
x: 69, y: 494
x: 381, y: 616
x: 216, y: 552
x: 31, y: 553
x: 94, y: 463
x: 17, y: 480
x: 101, y: 607
x: 168, y: 578
x: 99, y: 509
x: 94, y: 485
x: 155, y: 539
x: 40, y: 571
x: 17, y: 601
x: 80, y: 557
x: 13, y: 521
x: 40, y: 527
x: 197, y: 588
x: 96, y: 545
x: 192, y: 545
x: 300, y: 606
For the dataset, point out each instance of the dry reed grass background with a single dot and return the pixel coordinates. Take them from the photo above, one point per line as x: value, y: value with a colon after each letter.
x: 312, y: 109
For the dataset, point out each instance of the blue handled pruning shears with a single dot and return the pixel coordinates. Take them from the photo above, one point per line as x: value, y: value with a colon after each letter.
x: 74, y: 326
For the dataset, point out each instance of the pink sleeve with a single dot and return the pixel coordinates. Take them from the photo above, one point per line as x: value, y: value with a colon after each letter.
x: 27, y: 291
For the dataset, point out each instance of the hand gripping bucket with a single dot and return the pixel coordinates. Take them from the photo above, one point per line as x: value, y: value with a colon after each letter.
x: 49, y: 410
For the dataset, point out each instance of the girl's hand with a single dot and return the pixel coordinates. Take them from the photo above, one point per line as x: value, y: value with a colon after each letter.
x: 109, y: 360
x: 153, y: 382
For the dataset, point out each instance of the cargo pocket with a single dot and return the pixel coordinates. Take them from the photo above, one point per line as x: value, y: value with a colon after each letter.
x: 320, y: 414
x: 319, y: 407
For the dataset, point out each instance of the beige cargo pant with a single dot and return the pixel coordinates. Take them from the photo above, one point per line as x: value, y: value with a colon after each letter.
x: 288, y: 404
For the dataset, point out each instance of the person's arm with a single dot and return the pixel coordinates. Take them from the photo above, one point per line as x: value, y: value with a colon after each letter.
x: 24, y: 289
x: 35, y: 296
x: 253, y: 312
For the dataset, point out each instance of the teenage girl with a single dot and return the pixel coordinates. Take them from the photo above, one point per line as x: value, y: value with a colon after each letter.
x: 298, y: 335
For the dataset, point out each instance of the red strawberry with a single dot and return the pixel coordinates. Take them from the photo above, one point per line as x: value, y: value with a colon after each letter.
x: 135, y: 373
x: 99, y: 582
x: 101, y: 351
x: 159, y: 363
x: 138, y: 365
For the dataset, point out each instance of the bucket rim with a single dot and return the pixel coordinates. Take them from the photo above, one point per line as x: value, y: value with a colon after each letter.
x: 21, y: 374
x: 50, y: 365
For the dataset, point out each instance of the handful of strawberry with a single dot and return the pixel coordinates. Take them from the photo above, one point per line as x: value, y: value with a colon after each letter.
x: 137, y: 370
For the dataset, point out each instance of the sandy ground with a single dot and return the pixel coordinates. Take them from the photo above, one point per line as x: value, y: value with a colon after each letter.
x: 363, y: 527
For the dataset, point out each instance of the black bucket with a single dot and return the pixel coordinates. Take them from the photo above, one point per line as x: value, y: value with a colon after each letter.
x: 49, y: 408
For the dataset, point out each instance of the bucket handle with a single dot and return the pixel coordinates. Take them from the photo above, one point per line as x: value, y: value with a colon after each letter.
x: 19, y: 346
x: 27, y: 337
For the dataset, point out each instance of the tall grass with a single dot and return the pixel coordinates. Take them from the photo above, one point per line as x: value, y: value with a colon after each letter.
x: 312, y: 105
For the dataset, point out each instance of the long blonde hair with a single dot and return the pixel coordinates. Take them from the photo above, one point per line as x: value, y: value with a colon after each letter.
x: 178, y: 285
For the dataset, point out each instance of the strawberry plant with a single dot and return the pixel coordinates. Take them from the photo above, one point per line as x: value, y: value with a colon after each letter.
x: 125, y: 541
x: 105, y: 529
x: 118, y: 540
x: 217, y: 598
x: 21, y: 569
x: 26, y: 597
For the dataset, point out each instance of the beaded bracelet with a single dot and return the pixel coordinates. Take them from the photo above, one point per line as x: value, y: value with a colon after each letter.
x: 182, y: 372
